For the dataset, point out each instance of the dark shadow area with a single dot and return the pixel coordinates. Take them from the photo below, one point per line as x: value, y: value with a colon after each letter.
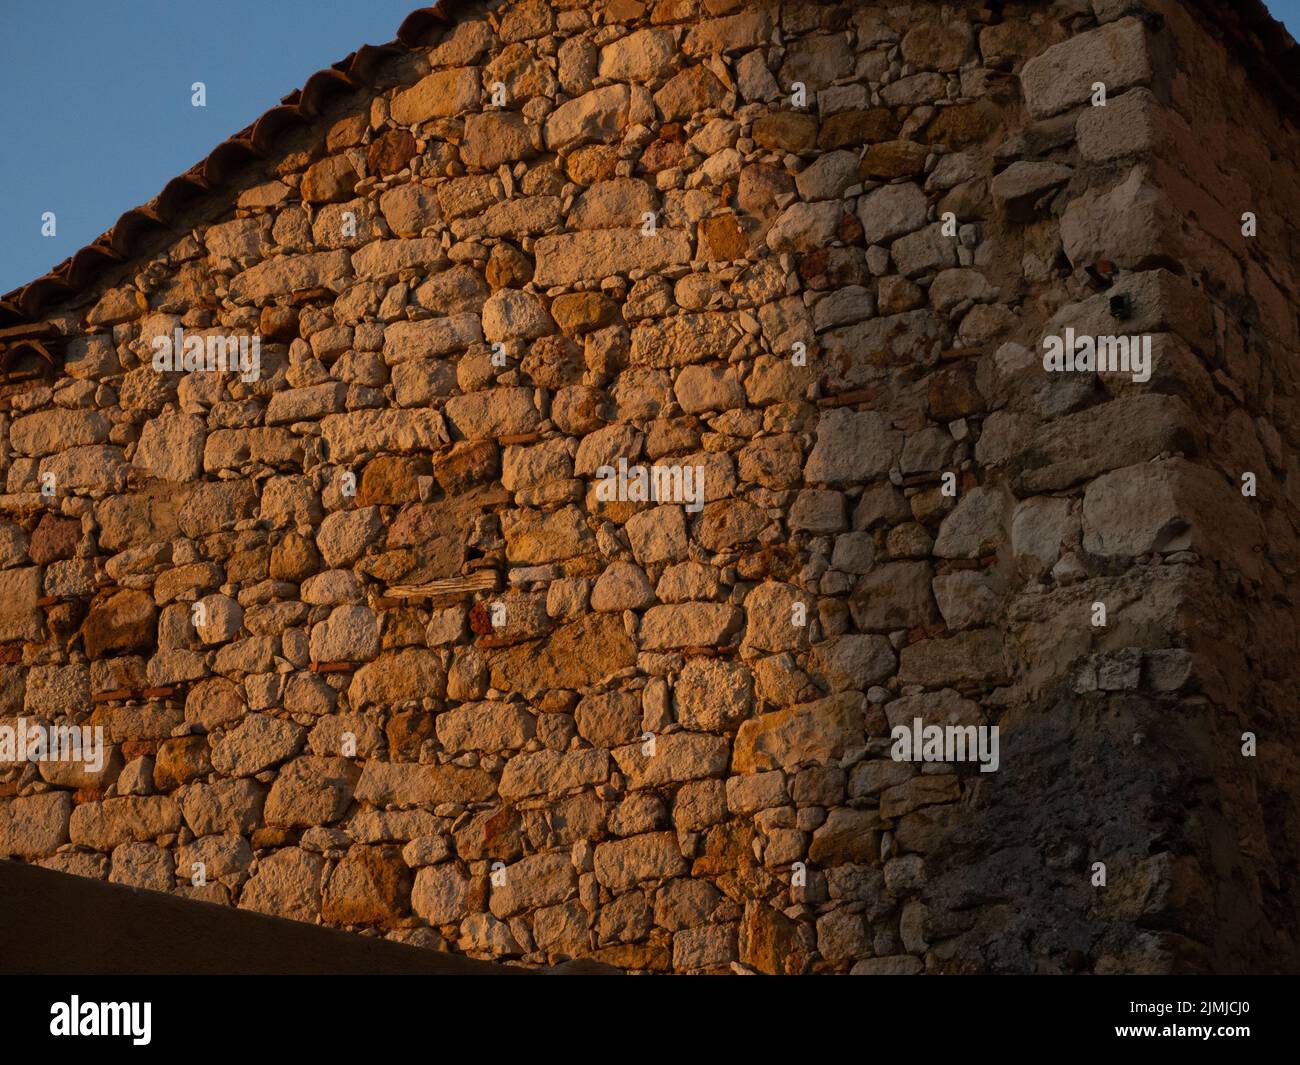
x: 56, y: 924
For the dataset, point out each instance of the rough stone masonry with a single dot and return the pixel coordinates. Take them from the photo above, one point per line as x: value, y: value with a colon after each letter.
x: 373, y: 649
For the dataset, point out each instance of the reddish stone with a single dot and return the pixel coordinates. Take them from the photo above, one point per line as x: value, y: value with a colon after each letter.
x: 278, y: 323
x: 727, y: 849
x: 65, y: 618
x: 508, y: 267
x: 662, y: 155
x: 581, y: 312
x: 722, y: 239
x: 777, y: 562
x: 480, y: 621
x: 126, y: 621
x: 952, y: 394
x: 426, y: 542
x: 403, y: 627
x: 252, y: 565
x: 135, y: 748
x: 53, y: 539
x: 848, y: 230
x: 390, y: 153
x: 894, y: 295
x: 180, y: 760
x: 651, y: 957
x: 893, y: 159
x: 962, y: 125
x: 770, y: 941
x: 332, y: 180
x: 834, y: 268
x: 849, y: 129
x: 688, y: 92
x: 595, y: 162
x: 264, y: 838
x: 347, y: 132
x: 295, y: 558
x: 370, y: 886
x: 553, y: 362
x: 468, y: 463
x: 407, y: 732
x: 760, y: 186
x: 392, y: 479
x: 500, y: 833
x: 787, y: 131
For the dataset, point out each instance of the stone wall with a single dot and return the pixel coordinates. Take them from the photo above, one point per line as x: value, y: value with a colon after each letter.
x: 372, y: 645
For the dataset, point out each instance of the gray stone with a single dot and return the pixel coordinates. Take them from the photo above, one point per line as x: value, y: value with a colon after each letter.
x: 853, y: 661
x: 975, y: 527
x: 892, y: 211
x: 852, y: 446
x: 1063, y: 76
x: 893, y: 596
x: 259, y: 741
x: 34, y: 826
x: 922, y: 252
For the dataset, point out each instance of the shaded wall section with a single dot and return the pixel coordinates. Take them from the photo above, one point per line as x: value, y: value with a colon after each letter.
x: 56, y: 924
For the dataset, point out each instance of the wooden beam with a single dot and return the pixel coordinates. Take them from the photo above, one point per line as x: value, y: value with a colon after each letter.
x: 485, y: 580
x: 845, y: 399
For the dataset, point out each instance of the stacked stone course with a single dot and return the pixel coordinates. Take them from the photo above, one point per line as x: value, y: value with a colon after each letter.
x: 439, y: 690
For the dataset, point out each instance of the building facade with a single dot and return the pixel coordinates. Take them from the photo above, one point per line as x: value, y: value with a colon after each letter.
x: 778, y: 487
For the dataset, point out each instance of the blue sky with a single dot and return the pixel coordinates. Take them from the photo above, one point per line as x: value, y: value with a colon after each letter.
x: 1288, y: 13
x: 97, y: 115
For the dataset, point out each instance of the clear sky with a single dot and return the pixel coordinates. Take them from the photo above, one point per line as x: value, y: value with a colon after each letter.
x: 1286, y: 12
x: 97, y: 115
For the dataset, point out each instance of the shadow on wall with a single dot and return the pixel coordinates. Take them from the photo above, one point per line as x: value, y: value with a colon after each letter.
x: 126, y: 931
